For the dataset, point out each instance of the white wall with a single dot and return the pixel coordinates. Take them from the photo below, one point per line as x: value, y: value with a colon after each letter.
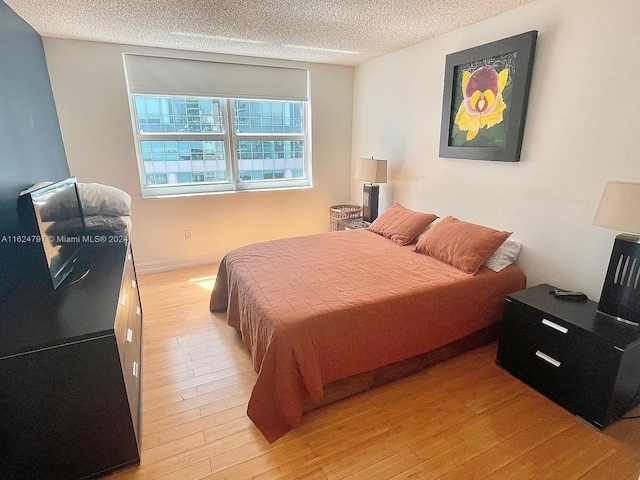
x: 582, y: 128
x: 89, y: 89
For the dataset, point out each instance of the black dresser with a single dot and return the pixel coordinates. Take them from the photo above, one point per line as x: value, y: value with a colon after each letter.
x: 588, y: 363
x: 70, y: 374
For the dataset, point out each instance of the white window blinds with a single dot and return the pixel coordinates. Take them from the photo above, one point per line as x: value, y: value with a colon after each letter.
x: 172, y: 76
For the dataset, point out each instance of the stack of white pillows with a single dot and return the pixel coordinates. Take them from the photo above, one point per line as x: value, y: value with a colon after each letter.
x: 105, y: 208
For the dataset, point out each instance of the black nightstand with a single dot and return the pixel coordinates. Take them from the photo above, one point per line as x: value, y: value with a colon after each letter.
x: 351, y: 223
x: 586, y: 362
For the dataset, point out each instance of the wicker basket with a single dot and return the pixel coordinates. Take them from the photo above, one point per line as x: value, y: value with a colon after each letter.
x: 343, y: 211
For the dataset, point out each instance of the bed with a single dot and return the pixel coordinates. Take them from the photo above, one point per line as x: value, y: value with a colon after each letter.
x: 317, y: 309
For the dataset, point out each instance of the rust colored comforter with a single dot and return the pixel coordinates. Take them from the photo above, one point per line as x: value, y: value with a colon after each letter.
x: 324, y: 307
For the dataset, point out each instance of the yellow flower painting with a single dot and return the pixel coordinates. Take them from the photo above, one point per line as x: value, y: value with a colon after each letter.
x: 483, y: 104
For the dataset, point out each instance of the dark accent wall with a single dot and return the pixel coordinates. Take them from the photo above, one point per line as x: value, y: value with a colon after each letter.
x: 31, y: 148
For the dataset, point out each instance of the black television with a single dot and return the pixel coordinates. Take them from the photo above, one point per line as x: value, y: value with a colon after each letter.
x: 53, y: 230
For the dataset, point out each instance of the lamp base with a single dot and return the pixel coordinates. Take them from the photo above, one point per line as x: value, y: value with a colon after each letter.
x: 620, y: 296
x: 370, y: 202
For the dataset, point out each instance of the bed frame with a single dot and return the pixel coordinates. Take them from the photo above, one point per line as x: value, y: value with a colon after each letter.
x: 362, y: 382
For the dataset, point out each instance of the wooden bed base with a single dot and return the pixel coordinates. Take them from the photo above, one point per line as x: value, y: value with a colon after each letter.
x: 346, y: 387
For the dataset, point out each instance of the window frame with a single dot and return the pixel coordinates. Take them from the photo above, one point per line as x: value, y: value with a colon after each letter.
x: 232, y: 163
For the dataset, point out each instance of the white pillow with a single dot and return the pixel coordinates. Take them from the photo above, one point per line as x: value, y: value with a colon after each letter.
x: 506, y: 254
x: 92, y: 222
x: 435, y: 222
x: 108, y: 222
x: 98, y: 199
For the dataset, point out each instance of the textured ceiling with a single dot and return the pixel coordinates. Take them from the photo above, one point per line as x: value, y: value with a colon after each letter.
x: 326, y: 31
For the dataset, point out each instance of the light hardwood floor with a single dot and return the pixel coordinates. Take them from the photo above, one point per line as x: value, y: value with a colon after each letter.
x: 460, y: 419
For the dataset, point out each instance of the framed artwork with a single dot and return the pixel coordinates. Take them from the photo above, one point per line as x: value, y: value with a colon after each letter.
x: 486, y: 90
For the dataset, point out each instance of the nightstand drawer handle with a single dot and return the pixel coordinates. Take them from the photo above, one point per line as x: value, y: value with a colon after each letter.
x: 555, y: 326
x: 547, y: 358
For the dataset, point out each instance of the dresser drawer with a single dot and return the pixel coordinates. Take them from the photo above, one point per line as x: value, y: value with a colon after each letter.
x: 122, y: 320
x: 132, y: 373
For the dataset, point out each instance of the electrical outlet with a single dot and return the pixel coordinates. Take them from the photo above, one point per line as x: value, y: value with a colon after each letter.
x: 187, y: 234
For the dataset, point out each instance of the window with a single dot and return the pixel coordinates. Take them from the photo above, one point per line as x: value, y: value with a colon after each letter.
x: 189, y: 143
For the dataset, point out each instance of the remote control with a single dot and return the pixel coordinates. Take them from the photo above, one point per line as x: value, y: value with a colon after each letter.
x: 568, y: 294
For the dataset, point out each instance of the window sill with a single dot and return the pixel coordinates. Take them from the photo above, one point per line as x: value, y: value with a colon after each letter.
x: 224, y: 192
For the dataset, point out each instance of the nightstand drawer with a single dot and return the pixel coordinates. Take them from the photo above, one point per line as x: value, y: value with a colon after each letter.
x: 531, y: 337
x: 536, y: 365
x: 552, y: 335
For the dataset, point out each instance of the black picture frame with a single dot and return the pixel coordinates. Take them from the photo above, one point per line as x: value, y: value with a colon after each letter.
x: 498, y: 134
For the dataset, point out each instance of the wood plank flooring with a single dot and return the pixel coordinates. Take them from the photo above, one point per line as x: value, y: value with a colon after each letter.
x: 461, y: 419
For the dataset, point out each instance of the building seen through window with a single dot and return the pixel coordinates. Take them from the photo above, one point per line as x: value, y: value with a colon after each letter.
x: 186, y: 140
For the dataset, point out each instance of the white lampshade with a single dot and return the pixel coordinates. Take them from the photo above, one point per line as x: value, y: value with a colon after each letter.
x: 619, y: 207
x: 371, y: 170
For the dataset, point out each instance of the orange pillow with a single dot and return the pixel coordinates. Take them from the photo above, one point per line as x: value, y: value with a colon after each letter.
x: 463, y: 245
x: 401, y: 224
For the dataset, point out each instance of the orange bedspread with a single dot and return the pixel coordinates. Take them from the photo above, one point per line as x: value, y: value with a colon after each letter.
x: 324, y: 307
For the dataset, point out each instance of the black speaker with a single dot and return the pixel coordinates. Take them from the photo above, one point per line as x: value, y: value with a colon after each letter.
x: 370, y: 202
x: 621, y: 291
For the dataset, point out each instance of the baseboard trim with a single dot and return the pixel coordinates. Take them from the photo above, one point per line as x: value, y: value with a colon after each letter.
x: 176, y: 264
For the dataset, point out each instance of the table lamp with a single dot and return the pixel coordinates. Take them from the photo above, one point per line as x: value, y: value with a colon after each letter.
x: 372, y: 171
x: 619, y: 209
